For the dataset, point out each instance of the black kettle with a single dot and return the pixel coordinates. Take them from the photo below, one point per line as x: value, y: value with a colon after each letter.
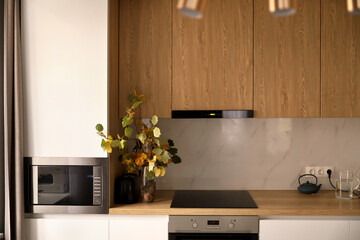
x: 127, y: 189
x: 308, y: 187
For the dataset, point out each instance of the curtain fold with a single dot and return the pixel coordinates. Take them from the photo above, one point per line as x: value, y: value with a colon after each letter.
x: 13, y: 124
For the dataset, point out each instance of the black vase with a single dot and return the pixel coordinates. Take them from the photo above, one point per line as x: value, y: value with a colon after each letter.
x: 127, y: 189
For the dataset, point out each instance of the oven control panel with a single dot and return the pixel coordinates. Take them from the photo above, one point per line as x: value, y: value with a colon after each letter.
x: 218, y: 224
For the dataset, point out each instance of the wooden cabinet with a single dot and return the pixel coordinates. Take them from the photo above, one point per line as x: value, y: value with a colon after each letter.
x: 132, y: 227
x: 340, y: 60
x: 304, y: 229
x: 66, y: 228
x: 145, y: 54
x: 287, y: 61
x: 213, y: 57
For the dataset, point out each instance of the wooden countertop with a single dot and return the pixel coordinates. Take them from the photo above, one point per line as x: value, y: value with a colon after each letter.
x: 270, y: 203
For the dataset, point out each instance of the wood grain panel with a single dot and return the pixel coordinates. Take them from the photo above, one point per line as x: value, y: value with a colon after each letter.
x: 287, y: 61
x: 114, y: 122
x: 145, y: 55
x: 340, y: 60
x: 213, y: 57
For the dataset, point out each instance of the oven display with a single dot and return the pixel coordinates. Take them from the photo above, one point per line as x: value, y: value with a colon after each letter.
x: 213, y: 222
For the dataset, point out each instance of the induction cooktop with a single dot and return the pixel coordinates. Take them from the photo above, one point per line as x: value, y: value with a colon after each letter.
x: 212, y: 199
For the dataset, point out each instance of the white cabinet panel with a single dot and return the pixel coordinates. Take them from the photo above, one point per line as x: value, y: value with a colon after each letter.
x: 69, y: 229
x: 139, y: 228
x: 304, y: 229
x: 354, y: 230
x: 65, y: 76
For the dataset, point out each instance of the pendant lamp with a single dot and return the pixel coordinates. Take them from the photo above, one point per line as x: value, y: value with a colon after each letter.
x: 353, y: 6
x: 192, y: 8
x: 282, y: 7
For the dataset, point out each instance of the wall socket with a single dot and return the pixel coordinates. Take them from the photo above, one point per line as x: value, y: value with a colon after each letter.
x: 319, y: 171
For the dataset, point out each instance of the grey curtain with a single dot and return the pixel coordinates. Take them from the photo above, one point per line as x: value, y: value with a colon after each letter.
x: 12, y: 124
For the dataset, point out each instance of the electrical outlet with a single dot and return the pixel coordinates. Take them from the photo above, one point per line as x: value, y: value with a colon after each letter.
x: 319, y: 171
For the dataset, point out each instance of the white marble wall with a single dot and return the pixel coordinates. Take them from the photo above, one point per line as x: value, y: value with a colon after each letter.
x: 257, y: 153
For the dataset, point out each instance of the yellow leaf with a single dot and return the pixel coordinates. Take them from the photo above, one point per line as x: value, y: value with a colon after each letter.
x: 154, y: 120
x: 162, y: 173
x: 118, y: 136
x: 156, y: 132
x: 108, y: 147
x: 151, y: 166
x: 157, y: 171
x: 110, y: 137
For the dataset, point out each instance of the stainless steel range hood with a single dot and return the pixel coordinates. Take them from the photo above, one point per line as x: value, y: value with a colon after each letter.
x: 212, y: 114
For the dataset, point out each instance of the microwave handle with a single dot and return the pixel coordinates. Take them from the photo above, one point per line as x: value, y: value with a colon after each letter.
x: 35, y: 184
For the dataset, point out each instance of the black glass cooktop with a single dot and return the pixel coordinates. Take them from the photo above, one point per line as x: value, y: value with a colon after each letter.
x: 212, y: 199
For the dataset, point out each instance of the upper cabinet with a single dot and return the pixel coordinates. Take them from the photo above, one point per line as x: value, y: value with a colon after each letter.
x: 287, y: 61
x: 213, y: 57
x: 340, y: 60
x: 145, y: 54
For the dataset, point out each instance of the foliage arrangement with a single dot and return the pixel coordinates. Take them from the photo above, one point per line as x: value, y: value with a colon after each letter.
x: 149, y: 151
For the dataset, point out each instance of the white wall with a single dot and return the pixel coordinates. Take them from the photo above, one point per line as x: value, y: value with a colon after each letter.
x: 65, y: 76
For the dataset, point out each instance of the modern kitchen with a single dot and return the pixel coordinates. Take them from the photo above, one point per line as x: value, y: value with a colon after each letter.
x: 180, y: 120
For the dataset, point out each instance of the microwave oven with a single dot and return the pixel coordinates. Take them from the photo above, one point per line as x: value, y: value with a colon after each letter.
x: 66, y: 185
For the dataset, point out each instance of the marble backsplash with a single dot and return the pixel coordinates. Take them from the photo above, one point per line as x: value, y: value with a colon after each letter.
x: 257, y: 153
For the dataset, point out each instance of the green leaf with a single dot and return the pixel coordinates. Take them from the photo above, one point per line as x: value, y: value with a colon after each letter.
x: 154, y: 120
x: 123, y: 143
x: 141, y: 137
x: 136, y: 104
x: 103, y: 143
x: 128, y: 131
x: 165, y: 157
x: 171, y: 142
x: 173, y: 151
x: 115, y: 143
x: 131, y: 97
x: 99, y: 127
x: 176, y: 159
x: 150, y: 175
x: 126, y: 121
x: 157, y: 151
x: 156, y: 132
x: 157, y: 142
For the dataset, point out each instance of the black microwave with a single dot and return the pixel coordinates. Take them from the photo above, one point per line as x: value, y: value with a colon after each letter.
x: 66, y: 185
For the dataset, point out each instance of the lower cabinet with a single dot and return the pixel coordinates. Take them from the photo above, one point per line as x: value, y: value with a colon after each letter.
x: 138, y: 227
x: 66, y: 228
x: 97, y: 227
x: 305, y: 229
x: 354, y: 230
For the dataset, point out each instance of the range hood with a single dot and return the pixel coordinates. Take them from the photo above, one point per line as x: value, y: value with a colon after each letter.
x: 212, y: 114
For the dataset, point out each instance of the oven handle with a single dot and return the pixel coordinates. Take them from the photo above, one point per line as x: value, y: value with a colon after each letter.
x: 35, y: 184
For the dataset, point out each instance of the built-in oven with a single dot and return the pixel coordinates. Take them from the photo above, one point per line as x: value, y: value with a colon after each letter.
x: 66, y: 185
x: 213, y: 227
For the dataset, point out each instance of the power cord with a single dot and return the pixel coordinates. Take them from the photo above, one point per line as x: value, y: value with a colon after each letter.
x: 329, y: 174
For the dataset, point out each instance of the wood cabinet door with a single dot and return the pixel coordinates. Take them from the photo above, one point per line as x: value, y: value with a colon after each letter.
x: 213, y: 57
x: 145, y: 55
x: 287, y: 61
x: 340, y: 60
